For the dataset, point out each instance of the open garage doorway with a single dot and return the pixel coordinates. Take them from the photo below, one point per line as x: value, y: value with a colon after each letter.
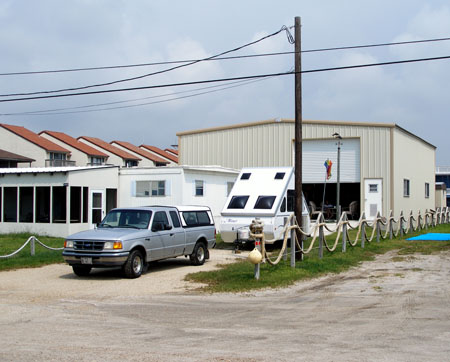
x: 349, y: 199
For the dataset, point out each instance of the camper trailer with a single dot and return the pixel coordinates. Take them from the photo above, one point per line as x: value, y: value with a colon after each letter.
x: 266, y: 193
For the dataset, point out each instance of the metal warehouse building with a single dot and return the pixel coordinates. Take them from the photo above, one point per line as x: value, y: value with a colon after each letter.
x: 383, y: 167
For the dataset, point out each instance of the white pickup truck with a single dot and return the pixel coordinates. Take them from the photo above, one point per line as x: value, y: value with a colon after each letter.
x: 132, y: 237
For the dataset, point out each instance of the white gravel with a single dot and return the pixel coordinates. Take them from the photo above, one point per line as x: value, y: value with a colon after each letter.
x: 390, y: 309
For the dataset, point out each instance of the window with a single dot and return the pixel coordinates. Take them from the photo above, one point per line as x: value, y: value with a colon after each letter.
x: 161, y: 220
x: 57, y: 156
x: 85, y: 204
x: 175, y: 219
x: 265, y: 202
x: 283, y: 205
x: 131, y: 163
x: 198, y: 188
x: 245, y: 176
x: 138, y: 219
x: 427, y: 190
x: 373, y: 188
x: 158, y: 188
x: 10, y: 204
x: 59, y: 204
x: 290, y: 200
x: 196, y: 218
x: 279, y: 175
x: 75, y: 204
x: 405, y: 187
x: 150, y: 188
x: 229, y: 187
x: 42, y: 204
x: 26, y: 204
x: 97, y: 160
x: 238, y: 202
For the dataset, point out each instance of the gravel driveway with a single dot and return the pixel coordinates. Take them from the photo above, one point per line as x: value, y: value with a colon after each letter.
x: 391, y: 309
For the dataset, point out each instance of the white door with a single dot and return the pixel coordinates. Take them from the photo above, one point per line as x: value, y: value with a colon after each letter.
x: 372, y: 197
x: 98, y: 207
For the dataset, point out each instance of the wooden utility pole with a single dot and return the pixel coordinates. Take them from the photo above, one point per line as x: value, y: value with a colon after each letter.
x: 298, y: 126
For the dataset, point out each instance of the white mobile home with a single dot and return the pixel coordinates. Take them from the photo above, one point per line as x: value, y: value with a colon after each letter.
x: 266, y: 193
x: 177, y: 185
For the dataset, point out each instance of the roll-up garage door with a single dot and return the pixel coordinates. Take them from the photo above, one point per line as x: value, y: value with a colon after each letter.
x: 316, y: 152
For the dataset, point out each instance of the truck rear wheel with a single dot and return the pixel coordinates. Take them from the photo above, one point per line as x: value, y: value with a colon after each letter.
x: 81, y: 270
x: 134, y: 266
x: 198, y: 256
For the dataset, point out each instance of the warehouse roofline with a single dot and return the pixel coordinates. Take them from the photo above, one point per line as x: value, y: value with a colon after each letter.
x: 278, y: 120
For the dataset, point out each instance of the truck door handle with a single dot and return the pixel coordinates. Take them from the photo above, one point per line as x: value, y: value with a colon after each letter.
x: 172, y: 234
x: 147, y: 239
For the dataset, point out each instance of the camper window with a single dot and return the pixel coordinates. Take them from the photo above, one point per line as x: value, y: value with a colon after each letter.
x: 279, y: 175
x: 265, y: 202
x: 245, y: 176
x: 283, y: 205
x: 238, y: 202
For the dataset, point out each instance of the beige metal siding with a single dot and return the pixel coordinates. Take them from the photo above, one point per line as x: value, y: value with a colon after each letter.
x: 271, y: 144
x: 414, y: 161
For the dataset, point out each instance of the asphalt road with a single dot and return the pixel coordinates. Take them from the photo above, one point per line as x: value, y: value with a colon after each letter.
x: 390, y: 309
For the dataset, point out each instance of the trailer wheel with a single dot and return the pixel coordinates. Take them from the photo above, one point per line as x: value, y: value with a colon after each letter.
x: 198, y: 256
x: 81, y: 270
x: 134, y: 266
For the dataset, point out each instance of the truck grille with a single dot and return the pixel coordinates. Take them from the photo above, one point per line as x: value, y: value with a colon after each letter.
x: 88, y: 245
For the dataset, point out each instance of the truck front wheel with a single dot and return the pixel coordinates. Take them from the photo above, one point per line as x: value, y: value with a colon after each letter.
x: 134, y: 266
x: 198, y: 256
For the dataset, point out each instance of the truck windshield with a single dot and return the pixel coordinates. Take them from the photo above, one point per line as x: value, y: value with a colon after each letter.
x: 136, y: 219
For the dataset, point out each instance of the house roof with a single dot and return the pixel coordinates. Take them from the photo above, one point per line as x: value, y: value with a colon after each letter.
x: 171, y: 150
x: 34, y: 138
x: 73, y: 142
x: 141, y: 152
x: 110, y: 148
x: 9, y: 156
x: 161, y: 152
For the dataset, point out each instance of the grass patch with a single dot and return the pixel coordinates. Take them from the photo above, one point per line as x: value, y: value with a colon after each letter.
x: 11, y: 242
x: 239, y: 276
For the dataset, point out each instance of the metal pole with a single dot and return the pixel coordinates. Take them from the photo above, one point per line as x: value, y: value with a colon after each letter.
x: 338, y: 191
x: 32, y: 246
x: 298, y: 125
x: 285, y: 219
x: 293, y: 245
x: 321, y: 238
x: 344, y: 235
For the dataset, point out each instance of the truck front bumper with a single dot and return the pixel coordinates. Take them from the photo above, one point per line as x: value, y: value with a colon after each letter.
x: 98, y: 259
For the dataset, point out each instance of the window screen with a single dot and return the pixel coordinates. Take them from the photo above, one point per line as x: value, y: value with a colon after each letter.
x: 238, y: 202
x: 265, y: 202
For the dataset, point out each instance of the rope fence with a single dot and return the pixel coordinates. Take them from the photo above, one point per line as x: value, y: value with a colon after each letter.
x: 366, y: 231
x: 32, y: 240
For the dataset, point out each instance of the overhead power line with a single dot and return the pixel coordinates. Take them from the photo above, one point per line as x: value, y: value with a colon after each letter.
x: 222, y: 79
x: 222, y: 58
x: 197, y: 93
x: 284, y: 28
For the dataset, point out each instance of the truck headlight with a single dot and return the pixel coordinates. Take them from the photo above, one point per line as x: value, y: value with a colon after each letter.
x: 110, y: 245
x: 68, y: 244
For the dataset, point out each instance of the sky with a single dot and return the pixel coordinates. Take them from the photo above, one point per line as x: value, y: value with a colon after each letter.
x: 59, y: 35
